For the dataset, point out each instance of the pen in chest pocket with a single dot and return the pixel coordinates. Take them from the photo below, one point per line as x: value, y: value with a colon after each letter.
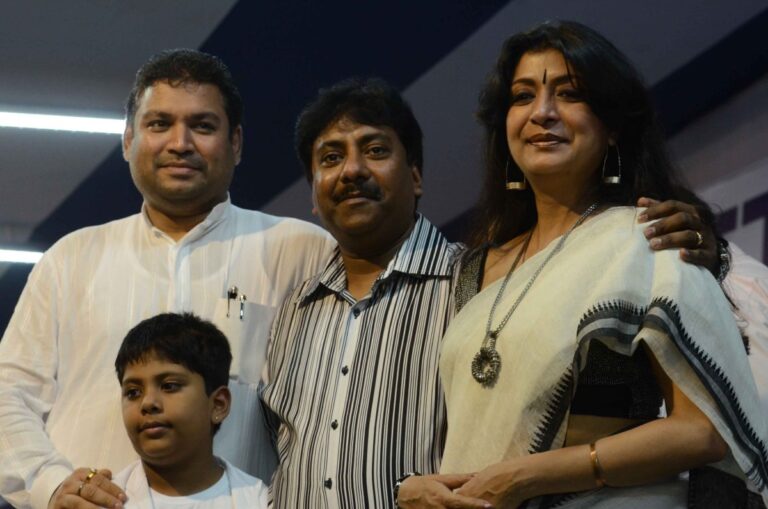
x: 234, y: 294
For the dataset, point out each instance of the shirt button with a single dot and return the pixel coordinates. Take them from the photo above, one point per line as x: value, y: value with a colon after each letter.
x: 345, y: 370
x: 334, y: 424
x: 328, y: 483
x: 356, y: 312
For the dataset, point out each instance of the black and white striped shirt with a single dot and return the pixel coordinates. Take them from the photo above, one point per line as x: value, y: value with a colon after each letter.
x: 355, y: 384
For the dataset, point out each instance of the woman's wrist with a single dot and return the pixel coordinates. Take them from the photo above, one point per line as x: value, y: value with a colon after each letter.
x: 525, y: 476
x: 569, y: 469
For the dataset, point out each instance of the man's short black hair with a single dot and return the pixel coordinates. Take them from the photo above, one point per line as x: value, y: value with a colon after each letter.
x: 183, y: 339
x: 368, y: 101
x: 182, y: 66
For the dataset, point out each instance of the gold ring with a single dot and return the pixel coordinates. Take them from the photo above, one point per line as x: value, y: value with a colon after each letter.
x: 699, y: 239
x: 91, y: 472
x: 80, y: 488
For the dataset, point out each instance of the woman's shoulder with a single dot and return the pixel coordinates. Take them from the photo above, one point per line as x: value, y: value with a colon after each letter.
x: 619, y: 226
x: 618, y: 216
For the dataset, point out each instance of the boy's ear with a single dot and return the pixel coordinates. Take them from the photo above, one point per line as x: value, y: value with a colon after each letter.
x: 221, y: 400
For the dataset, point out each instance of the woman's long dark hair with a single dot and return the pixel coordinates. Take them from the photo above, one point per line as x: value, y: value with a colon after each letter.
x: 617, y: 95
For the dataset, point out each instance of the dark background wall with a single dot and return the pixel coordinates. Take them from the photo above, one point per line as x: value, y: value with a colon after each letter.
x: 698, y: 60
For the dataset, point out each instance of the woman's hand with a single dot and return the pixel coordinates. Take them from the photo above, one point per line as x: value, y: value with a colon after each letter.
x: 437, y: 492
x: 679, y: 226
x: 502, y: 484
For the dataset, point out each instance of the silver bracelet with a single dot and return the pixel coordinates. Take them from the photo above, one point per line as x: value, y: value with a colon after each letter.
x: 725, y: 260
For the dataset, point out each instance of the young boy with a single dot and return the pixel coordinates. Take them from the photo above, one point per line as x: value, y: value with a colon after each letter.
x: 173, y: 371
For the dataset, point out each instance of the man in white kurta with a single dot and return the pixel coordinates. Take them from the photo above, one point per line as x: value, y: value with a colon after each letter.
x: 189, y: 249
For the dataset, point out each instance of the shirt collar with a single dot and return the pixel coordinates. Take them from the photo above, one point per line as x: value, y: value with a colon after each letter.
x: 425, y: 253
x: 214, y: 217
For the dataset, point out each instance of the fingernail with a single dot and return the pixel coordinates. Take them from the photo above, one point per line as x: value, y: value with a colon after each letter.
x: 655, y: 243
x: 642, y: 218
x: 649, y: 232
x: 684, y: 253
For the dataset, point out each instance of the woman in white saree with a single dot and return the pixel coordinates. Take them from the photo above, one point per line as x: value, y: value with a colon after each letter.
x: 554, y: 371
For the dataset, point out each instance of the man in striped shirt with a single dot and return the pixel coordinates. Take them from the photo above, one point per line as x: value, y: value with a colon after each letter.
x: 352, y: 367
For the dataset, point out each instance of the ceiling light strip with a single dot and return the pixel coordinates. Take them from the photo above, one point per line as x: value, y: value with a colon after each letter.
x: 15, y: 256
x: 62, y: 123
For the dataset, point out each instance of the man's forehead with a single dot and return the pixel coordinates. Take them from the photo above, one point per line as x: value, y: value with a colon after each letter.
x: 162, y: 92
x: 346, y: 128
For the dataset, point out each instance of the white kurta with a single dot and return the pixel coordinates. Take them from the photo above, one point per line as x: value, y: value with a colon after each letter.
x: 59, y: 396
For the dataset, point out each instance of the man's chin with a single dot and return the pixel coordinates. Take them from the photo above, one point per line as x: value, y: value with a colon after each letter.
x: 182, y: 188
x: 354, y: 225
x: 159, y: 456
x: 180, y: 195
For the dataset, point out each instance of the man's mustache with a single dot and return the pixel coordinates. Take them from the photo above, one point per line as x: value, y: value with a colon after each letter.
x: 364, y: 190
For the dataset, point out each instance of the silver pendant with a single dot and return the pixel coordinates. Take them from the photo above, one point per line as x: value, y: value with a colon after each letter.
x: 486, y: 366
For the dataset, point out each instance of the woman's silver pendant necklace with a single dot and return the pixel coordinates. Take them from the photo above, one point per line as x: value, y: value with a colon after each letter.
x: 486, y: 365
x: 487, y: 362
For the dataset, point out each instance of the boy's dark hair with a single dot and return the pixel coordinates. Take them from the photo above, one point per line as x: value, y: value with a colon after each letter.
x: 182, y: 339
x: 182, y: 66
x: 368, y: 101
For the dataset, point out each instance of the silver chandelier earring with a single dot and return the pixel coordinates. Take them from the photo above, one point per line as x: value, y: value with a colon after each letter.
x: 515, y: 183
x: 612, y: 179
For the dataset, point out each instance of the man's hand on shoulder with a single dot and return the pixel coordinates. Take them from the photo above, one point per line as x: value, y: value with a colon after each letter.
x: 678, y: 226
x: 87, y: 488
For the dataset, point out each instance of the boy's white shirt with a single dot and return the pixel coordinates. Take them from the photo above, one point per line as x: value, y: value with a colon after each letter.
x: 247, y: 491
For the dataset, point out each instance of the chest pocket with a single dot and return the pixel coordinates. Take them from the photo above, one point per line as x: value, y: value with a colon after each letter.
x: 248, y: 337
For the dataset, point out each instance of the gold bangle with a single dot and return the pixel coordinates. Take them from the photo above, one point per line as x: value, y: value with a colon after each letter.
x: 597, y: 469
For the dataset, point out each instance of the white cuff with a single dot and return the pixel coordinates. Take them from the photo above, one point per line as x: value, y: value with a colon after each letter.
x: 46, y: 483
